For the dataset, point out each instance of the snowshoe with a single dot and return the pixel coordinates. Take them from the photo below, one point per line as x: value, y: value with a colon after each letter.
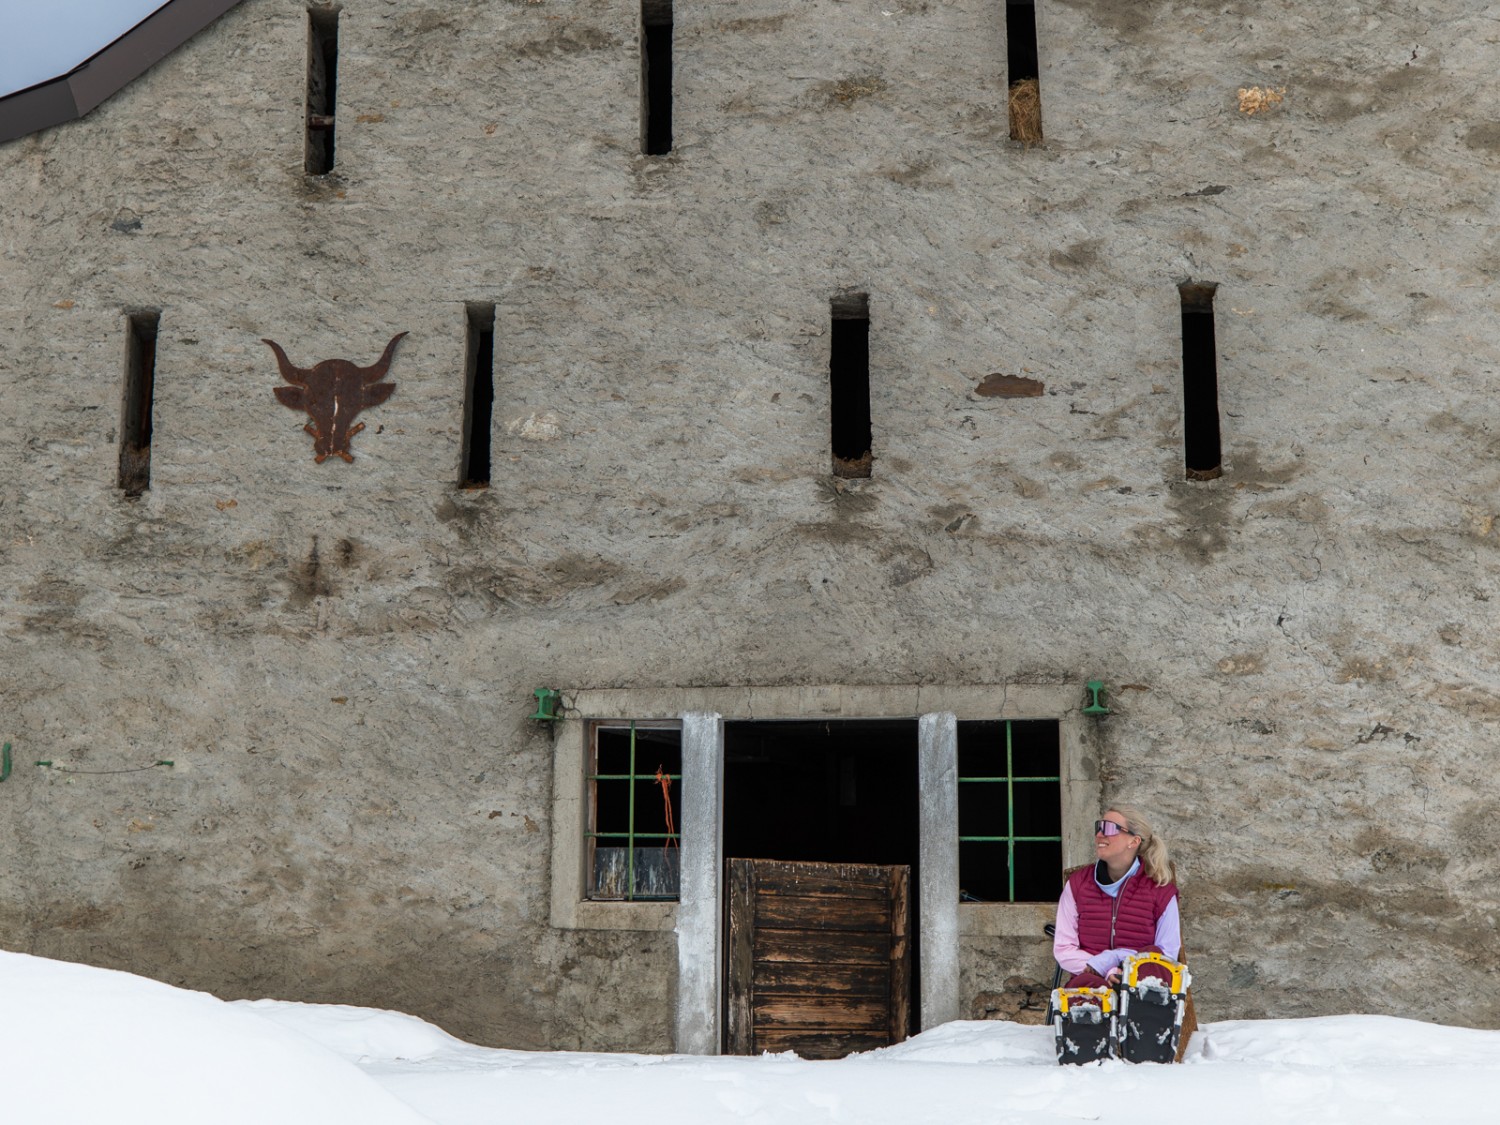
x: 1083, y: 1024
x: 1153, y: 998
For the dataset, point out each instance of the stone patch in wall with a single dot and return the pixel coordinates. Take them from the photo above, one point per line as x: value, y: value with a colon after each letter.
x: 1019, y: 1000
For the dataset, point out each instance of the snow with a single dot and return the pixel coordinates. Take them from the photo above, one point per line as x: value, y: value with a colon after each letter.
x: 94, y: 1045
x: 45, y: 39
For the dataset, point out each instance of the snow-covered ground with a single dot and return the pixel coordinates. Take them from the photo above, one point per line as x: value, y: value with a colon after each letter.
x: 84, y: 1045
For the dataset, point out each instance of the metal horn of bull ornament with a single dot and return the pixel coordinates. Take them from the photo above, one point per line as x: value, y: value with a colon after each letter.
x: 332, y: 393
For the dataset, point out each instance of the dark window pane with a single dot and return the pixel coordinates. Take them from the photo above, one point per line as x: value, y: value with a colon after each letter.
x: 614, y: 751
x: 1038, y: 810
x: 657, y: 741
x: 650, y: 808
x: 1034, y: 748
x: 983, y: 875
x: 981, y: 749
x: 1038, y: 872
x: 611, y: 810
x: 981, y: 809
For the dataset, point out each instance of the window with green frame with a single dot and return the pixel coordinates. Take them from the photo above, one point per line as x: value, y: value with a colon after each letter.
x: 635, y: 806
x: 1009, y: 811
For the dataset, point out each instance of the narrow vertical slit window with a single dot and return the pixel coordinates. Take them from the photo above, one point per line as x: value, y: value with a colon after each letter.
x: 1200, y: 382
x: 322, y: 87
x: 849, y: 385
x: 1023, y: 72
x: 479, y: 397
x: 135, y: 412
x: 656, y: 77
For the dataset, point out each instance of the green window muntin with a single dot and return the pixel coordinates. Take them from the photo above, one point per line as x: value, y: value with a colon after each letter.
x: 633, y: 831
x: 1009, y: 810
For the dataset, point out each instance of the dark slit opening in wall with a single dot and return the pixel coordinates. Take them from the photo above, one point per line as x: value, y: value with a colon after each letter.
x: 322, y: 87
x: 479, y: 397
x: 135, y: 411
x: 849, y: 385
x: 1200, y: 382
x: 656, y: 77
x: 1023, y: 72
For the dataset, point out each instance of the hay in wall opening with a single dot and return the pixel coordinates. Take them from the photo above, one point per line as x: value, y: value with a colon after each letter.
x: 1026, y: 112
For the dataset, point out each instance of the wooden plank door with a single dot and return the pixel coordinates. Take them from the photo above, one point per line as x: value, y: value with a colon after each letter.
x: 819, y: 958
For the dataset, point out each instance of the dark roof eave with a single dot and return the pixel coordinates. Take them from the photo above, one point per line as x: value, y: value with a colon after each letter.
x: 74, y: 94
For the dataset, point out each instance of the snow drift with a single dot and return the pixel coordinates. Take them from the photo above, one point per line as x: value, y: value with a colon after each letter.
x: 86, y: 1045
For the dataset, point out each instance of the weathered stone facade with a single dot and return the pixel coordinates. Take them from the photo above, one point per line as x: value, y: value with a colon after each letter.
x: 339, y: 658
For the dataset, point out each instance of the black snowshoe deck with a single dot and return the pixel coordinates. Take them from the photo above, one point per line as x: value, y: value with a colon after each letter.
x: 1151, y: 1022
x: 1084, y: 1025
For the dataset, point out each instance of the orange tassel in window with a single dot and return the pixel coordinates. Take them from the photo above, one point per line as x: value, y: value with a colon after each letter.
x: 665, y: 781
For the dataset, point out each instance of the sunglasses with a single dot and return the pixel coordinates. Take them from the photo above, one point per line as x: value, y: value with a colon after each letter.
x: 1110, y: 828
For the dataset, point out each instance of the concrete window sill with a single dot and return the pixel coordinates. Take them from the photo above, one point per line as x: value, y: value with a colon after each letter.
x: 1005, y: 919
x: 650, y: 916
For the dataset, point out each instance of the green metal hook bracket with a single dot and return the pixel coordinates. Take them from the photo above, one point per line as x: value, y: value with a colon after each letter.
x: 547, y: 700
x: 5, y: 762
x: 1095, y: 705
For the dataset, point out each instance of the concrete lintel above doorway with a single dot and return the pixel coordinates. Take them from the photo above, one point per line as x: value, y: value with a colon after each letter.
x: 973, y: 701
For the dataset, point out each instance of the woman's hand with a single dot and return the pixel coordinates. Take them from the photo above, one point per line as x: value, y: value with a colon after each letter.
x: 1114, y: 958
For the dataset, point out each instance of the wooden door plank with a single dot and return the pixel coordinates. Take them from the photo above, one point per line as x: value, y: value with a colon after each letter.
x: 781, y: 977
x: 900, y: 970
x: 822, y: 912
x: 739, y: 1028
x: 783, y: 872
x: 853, y: 1013
x: 825, y: 948
x: 829, y: 888
x: 774, y: 883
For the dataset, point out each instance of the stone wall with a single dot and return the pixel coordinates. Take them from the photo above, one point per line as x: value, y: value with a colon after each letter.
x: 338, y: 658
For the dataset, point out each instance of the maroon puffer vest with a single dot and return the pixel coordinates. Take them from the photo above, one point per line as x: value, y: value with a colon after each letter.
x: 1127, y: 922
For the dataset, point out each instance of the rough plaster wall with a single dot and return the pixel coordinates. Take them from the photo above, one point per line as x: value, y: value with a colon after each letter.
x: 1303, y: 652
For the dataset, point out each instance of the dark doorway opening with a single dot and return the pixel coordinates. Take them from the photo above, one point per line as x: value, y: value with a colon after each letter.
x: 835, y: 791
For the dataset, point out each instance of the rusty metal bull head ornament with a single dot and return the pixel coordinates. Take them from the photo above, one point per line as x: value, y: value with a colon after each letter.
x: 332, y: 393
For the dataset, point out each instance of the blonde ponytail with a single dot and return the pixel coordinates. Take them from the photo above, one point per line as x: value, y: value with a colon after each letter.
x: 1155, y: 861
